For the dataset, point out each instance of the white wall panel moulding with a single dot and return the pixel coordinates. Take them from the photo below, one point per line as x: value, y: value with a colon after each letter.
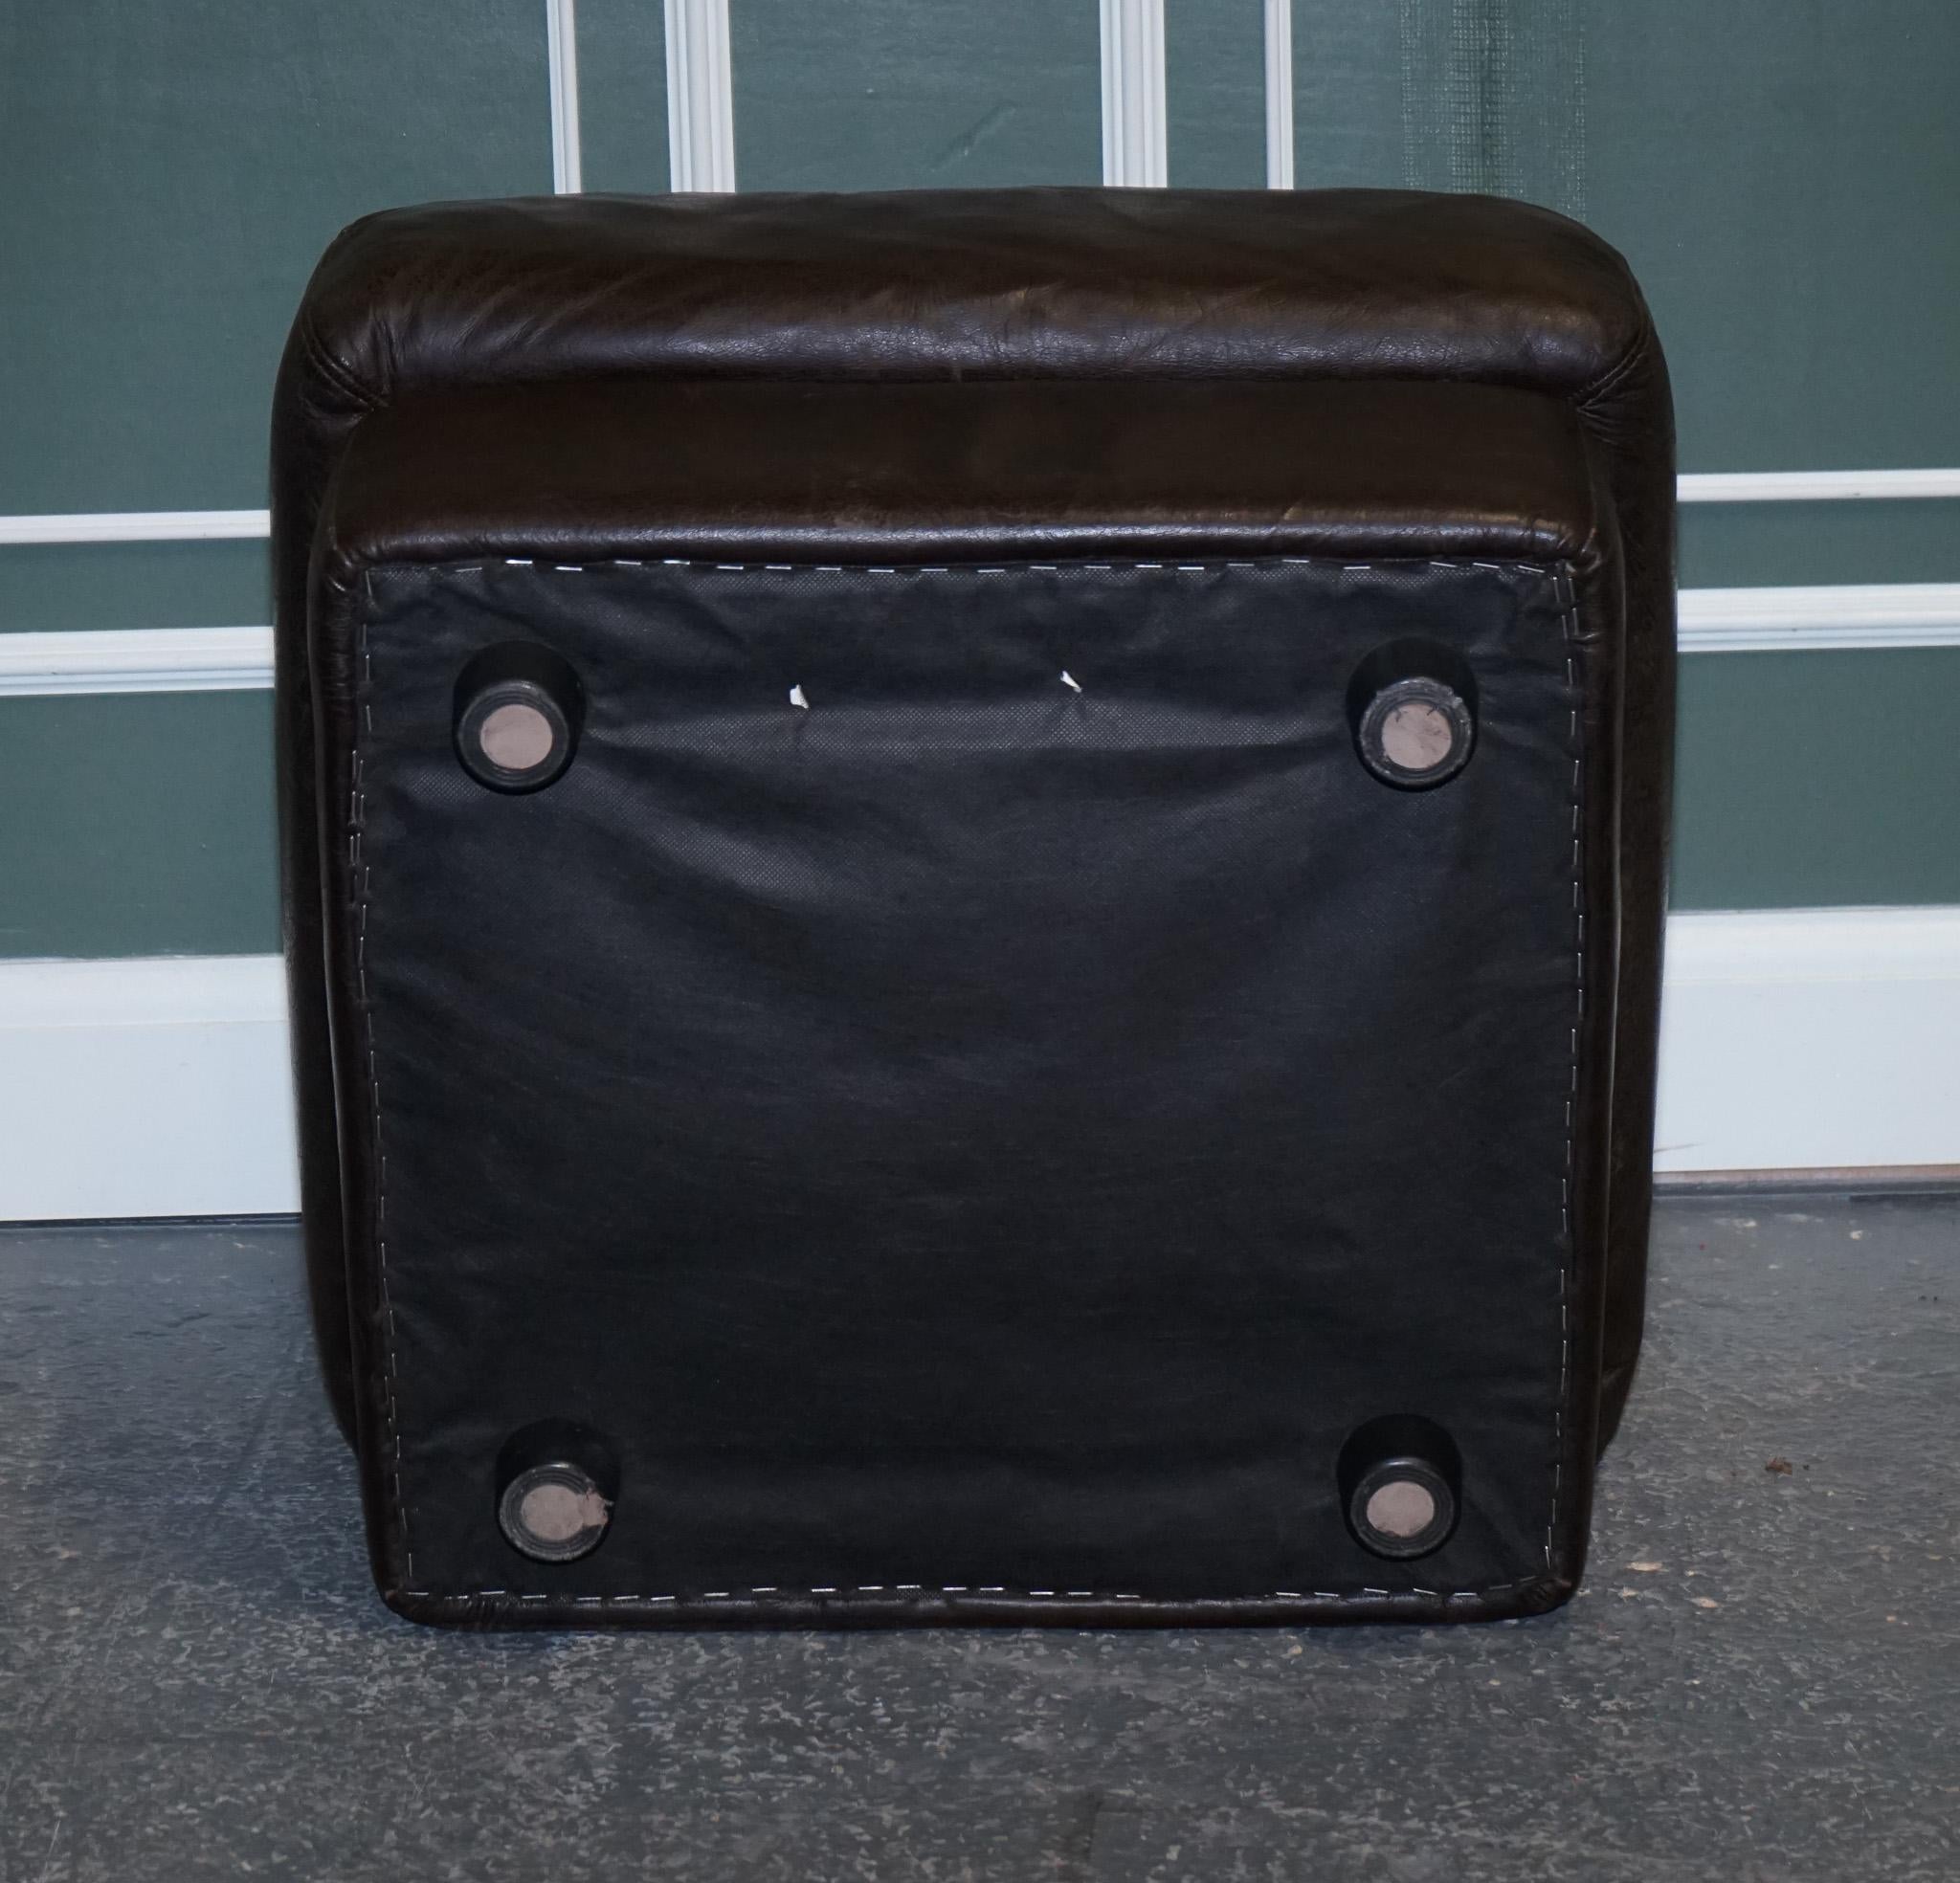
x: 136, y: 661
x: 1135, y: 153
x: 703, y: 158
x: 560, y: 46
x: 701, y: 96
x: 1815, y: 486
x: 1791, y: 1040
x: 1278, y: 94
x: 1885, y: 614
x: 1712, y: 621
x: 138, y: 526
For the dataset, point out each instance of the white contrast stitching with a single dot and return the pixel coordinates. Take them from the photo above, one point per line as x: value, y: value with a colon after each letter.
x: 1368, y: 1594
x: 1543, y: 569
x: 361, y: 876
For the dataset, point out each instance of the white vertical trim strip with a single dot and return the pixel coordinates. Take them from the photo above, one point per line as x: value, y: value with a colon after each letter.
x: 1135, y: 139
x: 138, y: 526
x: 1278, y: 94
x: 1815, y: 486
x: 561, y: 40
x: 701, y: 96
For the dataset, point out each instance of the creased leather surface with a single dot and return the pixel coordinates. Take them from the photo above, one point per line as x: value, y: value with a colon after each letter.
x: 1055, y: 285
x: 936, y: 472
x: 980, y: 1144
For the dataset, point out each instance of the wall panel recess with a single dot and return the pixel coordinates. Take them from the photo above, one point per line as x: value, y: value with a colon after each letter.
x: 915, y: 93
x: 174, y: 172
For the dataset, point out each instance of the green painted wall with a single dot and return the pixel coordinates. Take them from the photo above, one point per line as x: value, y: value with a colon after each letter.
x: 1770, y: 545
x: 622, y: 87
x: 138, y: 826
x: 1812, y: 779
x: 67, y: 586
x: 173, y: 173
x: 1783, y: 173
x: 1215, y: 95
x: 911, y: 94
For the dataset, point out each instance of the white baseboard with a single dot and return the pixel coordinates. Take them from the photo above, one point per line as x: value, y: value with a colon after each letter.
x: 1807, y: 1039
x: 145, y: 1088
x: 1810, y: 1038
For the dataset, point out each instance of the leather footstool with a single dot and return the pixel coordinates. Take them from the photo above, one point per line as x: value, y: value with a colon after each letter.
x: 975, y: 890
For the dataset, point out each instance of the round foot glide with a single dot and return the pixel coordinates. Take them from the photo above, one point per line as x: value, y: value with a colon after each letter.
x: 1400, y: 1487
x: 1416, y: 733
x: 1413, y: 706
x: 518, y: 709
x: 1402, y: 1508
x: 553, y: 1514
x: 557, y: 1487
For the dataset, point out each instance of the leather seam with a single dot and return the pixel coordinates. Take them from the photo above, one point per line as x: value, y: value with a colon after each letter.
x: 1609, y: 381
x: 340, y: 376
x: 1558, y: 575
x: 360, y: 881
x: 1568, y: 623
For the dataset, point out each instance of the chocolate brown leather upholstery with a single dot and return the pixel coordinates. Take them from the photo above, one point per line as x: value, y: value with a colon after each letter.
x: 613, y: 418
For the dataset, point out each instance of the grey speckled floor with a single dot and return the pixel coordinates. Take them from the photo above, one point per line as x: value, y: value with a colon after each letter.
x: 1761, y: 1683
